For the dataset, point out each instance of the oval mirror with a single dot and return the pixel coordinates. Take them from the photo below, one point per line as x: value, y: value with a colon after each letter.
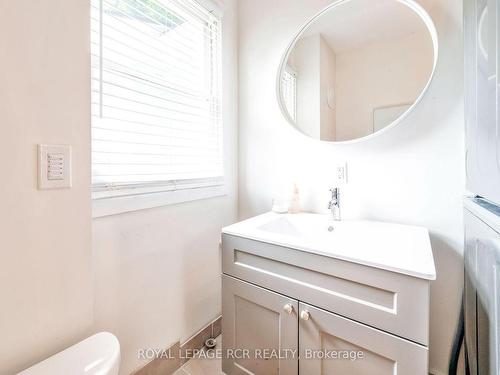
x: 357, y: 68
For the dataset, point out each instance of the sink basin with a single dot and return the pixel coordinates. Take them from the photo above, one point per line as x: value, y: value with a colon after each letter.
x: 394, y: 247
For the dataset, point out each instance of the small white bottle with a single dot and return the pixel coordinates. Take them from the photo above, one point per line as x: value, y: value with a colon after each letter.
x: 295, y: 201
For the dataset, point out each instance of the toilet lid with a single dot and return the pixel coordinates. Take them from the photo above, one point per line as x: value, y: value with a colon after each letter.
x: 96, y: 355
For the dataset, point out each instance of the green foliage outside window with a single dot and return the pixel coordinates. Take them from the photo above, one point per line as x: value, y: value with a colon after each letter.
x: 147, y: 11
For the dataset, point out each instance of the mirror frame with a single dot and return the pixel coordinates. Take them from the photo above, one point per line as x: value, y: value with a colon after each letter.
x: 424, y: 16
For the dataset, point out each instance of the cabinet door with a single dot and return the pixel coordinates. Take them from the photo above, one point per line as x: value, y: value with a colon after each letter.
x: 260, y: 330
x: 353, y: 348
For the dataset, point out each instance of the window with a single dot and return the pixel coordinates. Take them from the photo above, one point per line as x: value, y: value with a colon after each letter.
x: 289, y: 87
x: 156, y: 97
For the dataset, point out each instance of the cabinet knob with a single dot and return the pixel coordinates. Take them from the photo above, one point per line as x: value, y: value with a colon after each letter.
x: 304, y: 315
x: 288, y: 309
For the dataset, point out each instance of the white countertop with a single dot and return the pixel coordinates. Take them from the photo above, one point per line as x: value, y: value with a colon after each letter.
x: 398, y: 248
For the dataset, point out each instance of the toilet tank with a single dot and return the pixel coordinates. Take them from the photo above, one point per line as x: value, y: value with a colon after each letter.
x: 96, y: 355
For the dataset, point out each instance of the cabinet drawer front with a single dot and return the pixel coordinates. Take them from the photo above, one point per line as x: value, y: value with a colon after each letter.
x: 376, y: 297
x: 331, y: 344
x: 257, y: 324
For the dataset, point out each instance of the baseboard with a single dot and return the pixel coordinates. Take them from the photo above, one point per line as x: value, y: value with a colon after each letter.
x: 197, y: 341
x: 435, y: 372
x: 180, y: 353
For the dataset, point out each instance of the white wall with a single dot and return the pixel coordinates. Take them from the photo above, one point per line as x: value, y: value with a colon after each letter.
x: 387, y: 73
x: 413, y: 174
x: 157, y: 271
x: 45, y: 261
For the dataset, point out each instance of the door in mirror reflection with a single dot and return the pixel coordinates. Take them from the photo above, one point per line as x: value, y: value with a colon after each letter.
x: 357, y: 68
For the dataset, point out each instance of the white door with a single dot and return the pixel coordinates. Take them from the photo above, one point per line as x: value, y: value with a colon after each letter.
x: 259, y: 330
x: 330, y: 344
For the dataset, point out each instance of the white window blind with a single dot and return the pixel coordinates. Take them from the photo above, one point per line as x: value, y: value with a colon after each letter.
x: 289, y: 91
x: 156, y: 93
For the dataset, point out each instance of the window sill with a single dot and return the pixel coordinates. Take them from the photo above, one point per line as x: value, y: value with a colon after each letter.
x: 116, y: 205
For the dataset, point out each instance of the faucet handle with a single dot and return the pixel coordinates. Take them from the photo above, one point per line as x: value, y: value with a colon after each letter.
x: 334, y: 198
x: 334, y: 203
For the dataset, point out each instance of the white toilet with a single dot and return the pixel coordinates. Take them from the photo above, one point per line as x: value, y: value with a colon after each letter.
x: 96, y: 355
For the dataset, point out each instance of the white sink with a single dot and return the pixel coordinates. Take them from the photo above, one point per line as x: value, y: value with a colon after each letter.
x: 400, y: 248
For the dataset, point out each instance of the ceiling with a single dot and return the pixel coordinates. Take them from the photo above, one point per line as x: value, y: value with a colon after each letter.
x: 358, y: 22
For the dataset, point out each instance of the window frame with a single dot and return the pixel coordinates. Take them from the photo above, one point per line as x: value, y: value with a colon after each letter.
x: 107, y: 200
x: 290, y: 71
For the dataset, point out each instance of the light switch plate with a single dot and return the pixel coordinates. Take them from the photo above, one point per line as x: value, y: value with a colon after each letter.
x: 340, y: 173
x: 54, y: 166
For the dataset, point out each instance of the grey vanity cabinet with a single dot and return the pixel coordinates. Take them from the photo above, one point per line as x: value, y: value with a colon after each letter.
x: 297, y: 304
x: 257, y: 319
x: 354, y: 348
x: 266, y: 335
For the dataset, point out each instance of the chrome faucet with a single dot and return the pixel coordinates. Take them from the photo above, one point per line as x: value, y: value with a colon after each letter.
x: 334, y: 204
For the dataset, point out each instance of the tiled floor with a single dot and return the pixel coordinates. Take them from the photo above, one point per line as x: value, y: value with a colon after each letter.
x: 199, y: 366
